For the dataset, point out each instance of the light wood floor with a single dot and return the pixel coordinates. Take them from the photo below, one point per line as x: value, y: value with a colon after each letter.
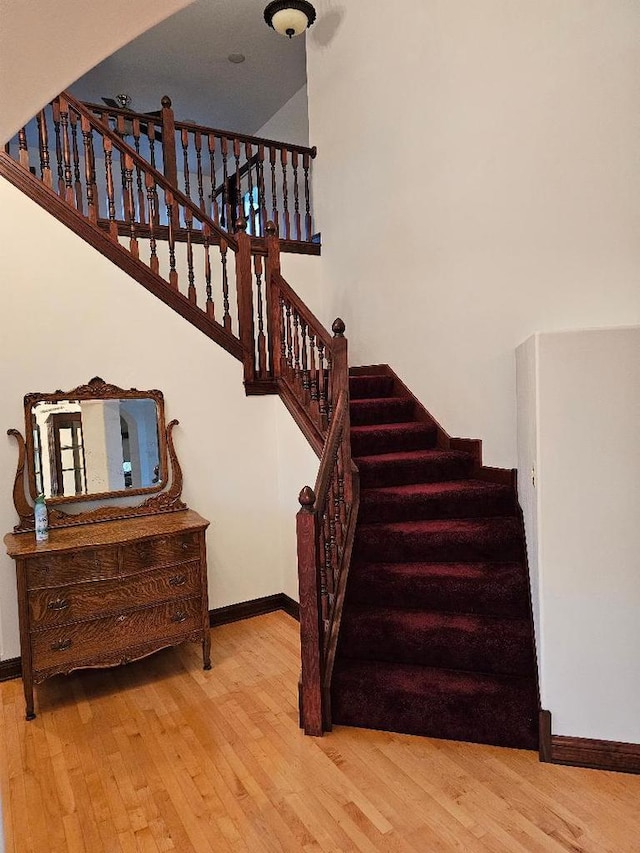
x: 161, y: 756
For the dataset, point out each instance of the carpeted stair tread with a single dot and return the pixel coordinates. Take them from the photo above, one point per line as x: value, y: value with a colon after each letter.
x: 381, y: 410
x: 413, y: 466
x: 454, y: 499
x: 442, y: 540
x: 436, y: 703
x: 375, y: 439
x: 470, y: 642
x: 499, y: 589
x: 369, y: 385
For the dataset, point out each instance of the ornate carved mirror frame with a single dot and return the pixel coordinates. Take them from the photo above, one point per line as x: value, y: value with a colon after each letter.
x: 167, y: 497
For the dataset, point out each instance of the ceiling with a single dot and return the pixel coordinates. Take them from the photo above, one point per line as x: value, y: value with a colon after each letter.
x: 186, y: 57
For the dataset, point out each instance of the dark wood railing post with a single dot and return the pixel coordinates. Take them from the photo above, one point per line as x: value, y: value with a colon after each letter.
x: 244, y: 292
x: 310, y: 615
x: 169, y: 161
x: 273, y: 300
x: 340, y: 382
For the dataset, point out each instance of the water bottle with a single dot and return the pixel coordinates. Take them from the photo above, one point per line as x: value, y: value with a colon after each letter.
x: 41, y: 518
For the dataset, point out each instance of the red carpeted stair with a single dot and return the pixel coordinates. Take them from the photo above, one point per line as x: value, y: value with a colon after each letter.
x: 436, y: 636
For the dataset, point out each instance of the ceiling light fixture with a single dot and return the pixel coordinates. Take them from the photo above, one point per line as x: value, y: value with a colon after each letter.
x: 289, y: 17
x: 236, y: 58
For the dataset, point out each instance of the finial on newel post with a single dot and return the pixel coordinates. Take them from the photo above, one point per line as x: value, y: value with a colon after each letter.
x: 338, y: 328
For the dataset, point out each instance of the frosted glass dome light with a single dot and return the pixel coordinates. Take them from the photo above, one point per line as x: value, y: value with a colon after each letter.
x: 290, y: 17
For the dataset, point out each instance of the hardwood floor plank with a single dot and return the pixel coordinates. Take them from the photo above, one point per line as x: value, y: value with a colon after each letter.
x: 162, y: 757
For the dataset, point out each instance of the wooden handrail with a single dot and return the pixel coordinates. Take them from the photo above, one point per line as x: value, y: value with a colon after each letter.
x: 205, y: 129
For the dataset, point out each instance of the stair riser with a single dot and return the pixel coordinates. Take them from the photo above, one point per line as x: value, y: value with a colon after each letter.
x: 393, y: 442
x: 377, y: 544
x: 404, y: 473
x: 502, y: 719
x: 438, y: 594
x: 393, y: 508
x: 390, y: 411
x: 363, y: 387
x: 407, y: 638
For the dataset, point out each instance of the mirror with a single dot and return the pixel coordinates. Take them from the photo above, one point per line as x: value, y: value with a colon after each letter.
x: 95, y: 441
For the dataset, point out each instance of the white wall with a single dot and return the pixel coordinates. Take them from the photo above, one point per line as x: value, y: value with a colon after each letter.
x: 477, y: 179
x: 44, y: 47
x: 290, y: 123
x: 585, y: 406
x: 59, y: 289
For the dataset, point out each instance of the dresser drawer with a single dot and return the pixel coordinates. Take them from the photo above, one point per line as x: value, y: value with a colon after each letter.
x: 83, y: 641
x: 59, y: 605
x: 162, y: 551
x: 57, y: 569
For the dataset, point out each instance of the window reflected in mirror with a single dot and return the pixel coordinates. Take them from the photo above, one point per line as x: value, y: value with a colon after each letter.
x: 87, y: 447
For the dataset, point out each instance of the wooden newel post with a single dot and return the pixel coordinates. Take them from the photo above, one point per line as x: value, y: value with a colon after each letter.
x: 340, y: 382
x: 274, y: 337
x: 310, y: 615
x: 169, y: 148
x: 244, y: 291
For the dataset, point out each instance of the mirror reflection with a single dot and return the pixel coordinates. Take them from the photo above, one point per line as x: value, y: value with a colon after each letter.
x: 87, y: 447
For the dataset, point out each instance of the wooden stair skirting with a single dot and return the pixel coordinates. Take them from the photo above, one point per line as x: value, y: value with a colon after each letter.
x: 11, y: 668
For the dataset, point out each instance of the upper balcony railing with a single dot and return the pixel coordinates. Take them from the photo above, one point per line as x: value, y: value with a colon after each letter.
x: 229, y: 176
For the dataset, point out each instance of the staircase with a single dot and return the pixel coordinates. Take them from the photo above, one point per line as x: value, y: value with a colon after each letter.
x: 436, y: 636
x: 414, y: 599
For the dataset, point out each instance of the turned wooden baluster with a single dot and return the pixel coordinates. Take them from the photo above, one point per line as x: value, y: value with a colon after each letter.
x: 262, y: 201
x: 191, y: 290
x: 198, y: 145
x: 226, y: 202
x: 262, y: 342
x: 43, y: 141
x: 210, y: 308
x: 171, y: 218
x: 274, y: 339
x: 248, y: 151
x: 212, y: 164
x: 141, y: 194
x: 325, y: 569
x: 184, y: 136
x: 89, y: 170
x: 306, y: 384
x: 23, y: 148
x: 152, y: 201
x: 310, y: 619
x: 56, y: 127
x: 244, y: 294
x: 66, y: 152
x: 313, y: 376
x: 296, y: 197
x: 274, y: 187
x: 151, y: 136
x: 285, y: 194
x: 322, y: 388
x: 296, y: 345
x: 129, y: 203
x: 289, y: 337
x: 239, y: 213
x: 226, y: 316
x: 111, y: 207
x: 307, y: 196
x: 73, y: 119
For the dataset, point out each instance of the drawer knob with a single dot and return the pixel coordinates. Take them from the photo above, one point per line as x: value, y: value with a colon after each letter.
x: 178, y: 580
x: 58, y: 604
x: 181, y: 616
x: 61, y: 646
x: 185, y: 546
x: 120, y: 619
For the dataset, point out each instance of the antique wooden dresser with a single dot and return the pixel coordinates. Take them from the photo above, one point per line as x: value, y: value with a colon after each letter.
x: 113, y: 584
